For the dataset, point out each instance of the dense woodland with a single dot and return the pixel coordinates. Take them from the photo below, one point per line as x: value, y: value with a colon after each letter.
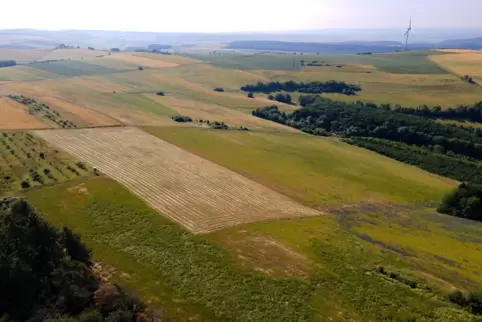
x: 7, y: 63
x: 462, y: 112
x: 307, y: 88
x: 448, y: 150
x: 46, y: 274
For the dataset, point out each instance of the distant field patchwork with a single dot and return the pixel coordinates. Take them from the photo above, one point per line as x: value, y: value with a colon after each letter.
x: 72, y: 68
x: 196, y: 193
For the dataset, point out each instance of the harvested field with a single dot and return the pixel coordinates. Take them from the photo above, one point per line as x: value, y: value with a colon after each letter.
x: 462, y: 62
x: 141, y: 61
x: 79, y: 115
x: 195, y: 193
x: 15, y: 116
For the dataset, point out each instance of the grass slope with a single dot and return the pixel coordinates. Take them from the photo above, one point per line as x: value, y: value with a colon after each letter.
x: 314, y: 170
x: 169, y: 267
x: 192, y: 278
x: 72, y: 68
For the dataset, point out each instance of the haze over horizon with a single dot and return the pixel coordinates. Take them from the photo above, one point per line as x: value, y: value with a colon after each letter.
x: 252, y: 15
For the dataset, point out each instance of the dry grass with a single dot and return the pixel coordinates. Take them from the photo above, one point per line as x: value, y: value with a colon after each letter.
x: 380, y: 87
x: 74, y: 54
x: 193, y: 192
x: 213, y: 112
x: 24, y: 73
x: 463, y: 62
x: 81, y: 116
x: 14, y: 116
x: 141, y: 61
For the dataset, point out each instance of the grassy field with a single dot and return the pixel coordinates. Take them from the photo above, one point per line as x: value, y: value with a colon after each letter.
x: 26, y: 158
x: 316, y: 171
x: 196, y: 279
x: 398, y: 63
x: 24, y: 73
x: 72, y: 68
x: 21, y: 56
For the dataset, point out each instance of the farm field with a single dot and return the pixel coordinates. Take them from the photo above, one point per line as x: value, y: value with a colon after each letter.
x: 463, y: 62
x: 27, y: 161
x: 24, y: 74
x: 72, y: 68
x: 415, y: 62
x: 16, y: 117
x: 192, y: 272
x: 316, y: 171
x: 197, y: 194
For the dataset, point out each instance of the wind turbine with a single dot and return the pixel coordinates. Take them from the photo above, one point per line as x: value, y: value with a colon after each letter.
x: 407, y: 33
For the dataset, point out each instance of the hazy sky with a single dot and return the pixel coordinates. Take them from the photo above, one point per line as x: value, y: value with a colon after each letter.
x: 241, y: 15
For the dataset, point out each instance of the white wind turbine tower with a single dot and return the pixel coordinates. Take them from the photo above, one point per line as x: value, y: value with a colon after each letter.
x: 407, y: 33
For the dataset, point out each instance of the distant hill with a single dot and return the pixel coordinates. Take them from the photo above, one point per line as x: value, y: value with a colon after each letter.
x: 472, y: 43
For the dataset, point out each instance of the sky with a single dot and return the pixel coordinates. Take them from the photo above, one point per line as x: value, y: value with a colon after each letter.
x: 236, y: 16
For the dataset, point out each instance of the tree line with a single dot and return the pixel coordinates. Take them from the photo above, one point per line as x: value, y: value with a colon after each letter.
x: 307, y: 88
x: 7, y: 63
x: 46, y: 274
x: 365, y: 120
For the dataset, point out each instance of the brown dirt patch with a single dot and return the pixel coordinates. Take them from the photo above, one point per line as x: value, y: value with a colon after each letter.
x: 14, y: 116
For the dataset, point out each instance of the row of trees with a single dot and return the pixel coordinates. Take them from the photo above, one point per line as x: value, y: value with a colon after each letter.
x: 7, y: 63
x: 460, y: 112
x: 355, y: 120
x: 308, y: 88
x: 429, y: 159
x: 46, y: 274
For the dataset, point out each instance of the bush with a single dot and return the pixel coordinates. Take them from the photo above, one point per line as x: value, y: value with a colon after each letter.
x: 471, y: 301
x: 25, y: 184
x: 250, y: 95
x: 141, y: 68
x: 464, y: 202
x: 219, y: 89
x: 115, y: 50
x: 182, y: 119
x: 160, y: 94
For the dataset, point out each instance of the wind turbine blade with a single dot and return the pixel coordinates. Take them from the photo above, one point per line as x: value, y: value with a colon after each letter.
x: 410, y: 24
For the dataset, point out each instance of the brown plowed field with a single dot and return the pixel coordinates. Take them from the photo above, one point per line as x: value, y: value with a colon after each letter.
x: 14, y: 116
x: 196, y: 193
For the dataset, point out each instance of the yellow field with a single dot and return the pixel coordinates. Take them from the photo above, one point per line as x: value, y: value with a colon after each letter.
x: 14, y: 116
x: 74, y: 54
x: 141, y: 61
x: 462, y: 62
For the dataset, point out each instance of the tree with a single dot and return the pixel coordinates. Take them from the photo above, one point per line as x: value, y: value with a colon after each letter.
x: 141, y: 68
x: 91, y: 48
x: 115, y: 50
x: 250, y: 95
x: 464, y: 202
x: 219, y: 89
